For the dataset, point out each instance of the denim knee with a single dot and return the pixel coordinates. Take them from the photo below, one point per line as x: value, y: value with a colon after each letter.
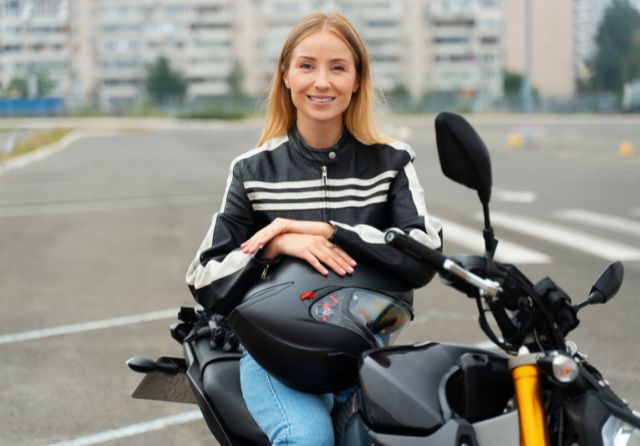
x: 288, y: 416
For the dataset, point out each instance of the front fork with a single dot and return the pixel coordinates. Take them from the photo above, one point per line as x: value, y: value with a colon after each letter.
x: 527, y: 381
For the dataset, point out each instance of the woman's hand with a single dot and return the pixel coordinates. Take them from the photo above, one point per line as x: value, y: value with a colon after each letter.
x: 315, y: 249
x: 283, y: 226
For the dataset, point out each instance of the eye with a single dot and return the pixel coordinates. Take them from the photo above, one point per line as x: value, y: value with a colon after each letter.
x: 306, y: 66
x: 338, y: 68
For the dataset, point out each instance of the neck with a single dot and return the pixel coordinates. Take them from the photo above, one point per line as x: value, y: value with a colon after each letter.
x: 320, y: 136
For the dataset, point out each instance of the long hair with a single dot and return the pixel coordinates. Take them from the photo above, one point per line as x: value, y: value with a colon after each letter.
x: 359, y: 116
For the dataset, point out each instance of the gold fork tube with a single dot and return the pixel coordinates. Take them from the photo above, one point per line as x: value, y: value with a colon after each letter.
x: 531, y: 417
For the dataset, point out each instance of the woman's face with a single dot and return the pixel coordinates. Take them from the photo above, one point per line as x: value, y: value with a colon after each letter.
x: 321, y: 77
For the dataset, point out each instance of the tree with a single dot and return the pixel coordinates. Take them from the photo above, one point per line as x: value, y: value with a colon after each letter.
x: 512, y: 83
x: 618, y: 55
x: 163, y: 84
x: 235, y: 80
x: 19, y: 86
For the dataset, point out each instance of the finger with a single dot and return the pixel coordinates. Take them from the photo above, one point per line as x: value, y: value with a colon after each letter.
x: 340, y: 256
x: 345, y: 257
x: 332, y: 260
x: 261, y: 238
x: 255, y: 242
x: 313, y: 261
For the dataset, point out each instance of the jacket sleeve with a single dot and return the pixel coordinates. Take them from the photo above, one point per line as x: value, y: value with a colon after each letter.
x: 408, y: 213
x: 221, y: 273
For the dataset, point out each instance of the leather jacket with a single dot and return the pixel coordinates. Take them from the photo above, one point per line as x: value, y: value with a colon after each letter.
x: 360, y: 189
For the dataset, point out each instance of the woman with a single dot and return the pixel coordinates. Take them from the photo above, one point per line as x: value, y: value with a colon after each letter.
x: 321, y: 186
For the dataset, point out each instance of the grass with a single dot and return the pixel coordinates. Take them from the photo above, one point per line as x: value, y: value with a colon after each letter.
x: 36, y: 140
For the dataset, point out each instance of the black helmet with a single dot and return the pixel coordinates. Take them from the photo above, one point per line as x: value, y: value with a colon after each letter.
x: 309, y: 330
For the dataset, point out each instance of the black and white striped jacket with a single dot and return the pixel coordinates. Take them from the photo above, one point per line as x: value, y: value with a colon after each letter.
x: 361, y: 189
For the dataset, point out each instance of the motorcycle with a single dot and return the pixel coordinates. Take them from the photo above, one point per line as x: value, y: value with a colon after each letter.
x: 536, y: 390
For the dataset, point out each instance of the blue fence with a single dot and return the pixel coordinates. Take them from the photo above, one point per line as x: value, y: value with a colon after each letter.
x: 31, y: 107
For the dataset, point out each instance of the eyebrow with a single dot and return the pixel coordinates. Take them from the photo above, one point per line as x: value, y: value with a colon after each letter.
x: 338, y: 59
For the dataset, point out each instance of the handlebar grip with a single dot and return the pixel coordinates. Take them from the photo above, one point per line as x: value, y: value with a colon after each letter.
x: 413, y: 247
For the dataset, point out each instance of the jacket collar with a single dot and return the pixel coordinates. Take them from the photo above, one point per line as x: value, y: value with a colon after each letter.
x: 329, y: 155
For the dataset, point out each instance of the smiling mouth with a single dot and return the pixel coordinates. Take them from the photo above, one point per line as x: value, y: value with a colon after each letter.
x: 320, y: 100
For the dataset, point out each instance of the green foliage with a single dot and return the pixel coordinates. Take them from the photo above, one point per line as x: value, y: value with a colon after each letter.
x: 618, y: 56
x: 235, y: 80
x: 19, y: 86
x: 163, y: 84
x: 34, y: 141
x: 512, y: 83
x: 399, y: 100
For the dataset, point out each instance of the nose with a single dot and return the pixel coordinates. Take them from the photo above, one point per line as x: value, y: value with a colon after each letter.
x: 321, y: 82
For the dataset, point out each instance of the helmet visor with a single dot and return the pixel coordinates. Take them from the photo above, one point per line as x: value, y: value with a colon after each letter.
x: 382, y: 317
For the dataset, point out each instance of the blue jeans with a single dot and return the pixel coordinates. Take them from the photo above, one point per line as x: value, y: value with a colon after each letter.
x: 288, y: 416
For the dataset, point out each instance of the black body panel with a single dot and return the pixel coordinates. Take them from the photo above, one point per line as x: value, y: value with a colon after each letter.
x: 415, y: 390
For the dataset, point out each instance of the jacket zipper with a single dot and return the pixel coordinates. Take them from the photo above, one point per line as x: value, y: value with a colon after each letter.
x: 325, y: 193
x: 264, y: 272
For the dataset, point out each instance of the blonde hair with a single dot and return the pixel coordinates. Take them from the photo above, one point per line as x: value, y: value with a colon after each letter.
x: 359, y: 116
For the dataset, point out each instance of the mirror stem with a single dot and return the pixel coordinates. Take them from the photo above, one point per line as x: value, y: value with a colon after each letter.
x: 490, y: 242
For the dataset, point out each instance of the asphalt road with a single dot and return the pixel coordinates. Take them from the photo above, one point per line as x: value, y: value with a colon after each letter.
x: 105, y: 230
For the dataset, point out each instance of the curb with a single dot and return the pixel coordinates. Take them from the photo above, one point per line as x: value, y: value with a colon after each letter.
x: 48, y: 150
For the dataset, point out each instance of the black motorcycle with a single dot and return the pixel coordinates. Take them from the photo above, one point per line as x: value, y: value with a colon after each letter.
x: 538, y: 390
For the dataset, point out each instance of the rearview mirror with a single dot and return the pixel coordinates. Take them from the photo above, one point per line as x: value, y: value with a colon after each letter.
x: 607, y: 284
x: 464, y: 158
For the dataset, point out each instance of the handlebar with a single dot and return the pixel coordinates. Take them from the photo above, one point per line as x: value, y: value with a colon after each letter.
x: 441, y: 263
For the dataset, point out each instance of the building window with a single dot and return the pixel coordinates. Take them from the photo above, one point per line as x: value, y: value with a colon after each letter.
x: 451, y: 39
x: 489, y: 40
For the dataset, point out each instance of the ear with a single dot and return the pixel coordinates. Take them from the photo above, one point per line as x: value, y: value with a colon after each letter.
x: 356, y: 85
x: 285, y: 78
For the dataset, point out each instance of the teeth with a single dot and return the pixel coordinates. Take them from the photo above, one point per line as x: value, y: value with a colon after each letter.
x: 314, y: 99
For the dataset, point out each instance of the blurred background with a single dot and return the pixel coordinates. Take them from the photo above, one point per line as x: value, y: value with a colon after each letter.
x: 215, y: 58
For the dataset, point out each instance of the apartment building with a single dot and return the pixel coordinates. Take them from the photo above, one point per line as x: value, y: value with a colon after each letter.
x: 35, y: 37
x: 98, y: 50
x: 125, y: 37
x: 466, y: 37
x: 552, y: 43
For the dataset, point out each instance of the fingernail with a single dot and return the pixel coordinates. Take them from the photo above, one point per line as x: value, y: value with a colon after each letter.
x: 350, y: 270
x: 342, y: 272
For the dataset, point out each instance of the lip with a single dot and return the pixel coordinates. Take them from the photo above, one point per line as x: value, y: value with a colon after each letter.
x: 320, y: 100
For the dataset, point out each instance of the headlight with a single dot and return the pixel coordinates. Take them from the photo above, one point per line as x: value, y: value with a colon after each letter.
x: 617, y: 432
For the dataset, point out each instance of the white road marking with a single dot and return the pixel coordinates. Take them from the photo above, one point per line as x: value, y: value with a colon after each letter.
x: 473, y: 240
x: 601, y: 220
x: 580, y: 241
x: 87, y: 326
x: 105, y: 205
x: 513, y: 196
x: 133, y: 429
